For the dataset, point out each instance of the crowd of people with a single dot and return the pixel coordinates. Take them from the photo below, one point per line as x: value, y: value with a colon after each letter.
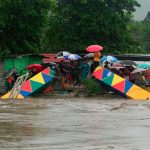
x: 74, y: 72
x: 140, y: 78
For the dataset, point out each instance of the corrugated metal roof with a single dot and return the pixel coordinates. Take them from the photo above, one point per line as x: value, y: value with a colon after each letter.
x: 24, y: 55
x: 52, y: 58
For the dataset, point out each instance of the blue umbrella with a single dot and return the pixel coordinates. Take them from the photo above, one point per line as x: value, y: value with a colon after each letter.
x: 62, y: 54
x: 109, y: 58
x: 72, y: 57
x: 144, y: 65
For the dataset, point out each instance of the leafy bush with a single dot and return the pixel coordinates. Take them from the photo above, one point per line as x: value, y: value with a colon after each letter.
x: 92, y: 87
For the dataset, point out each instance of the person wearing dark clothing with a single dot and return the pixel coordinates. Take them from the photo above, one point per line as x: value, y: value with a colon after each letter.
x: 92, y: 68
x: 15, y: 75
x: 76, y: 72
x: 9, y: 83
x: 62, y: 73
x: 69, y: 76
x: 106, y: 65
x: 84, y: 70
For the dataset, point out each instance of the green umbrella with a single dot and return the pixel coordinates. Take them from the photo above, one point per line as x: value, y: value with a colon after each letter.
x: 144, y: 65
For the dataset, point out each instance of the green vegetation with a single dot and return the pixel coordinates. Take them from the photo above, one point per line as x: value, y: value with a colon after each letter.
x: 22, y: 25
x: 140, y: 32
x: 32, y: 26
x: 92, y: 87
x: 78, y: 23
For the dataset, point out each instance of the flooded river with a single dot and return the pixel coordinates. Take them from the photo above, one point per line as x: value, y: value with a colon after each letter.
x: 74, y: 124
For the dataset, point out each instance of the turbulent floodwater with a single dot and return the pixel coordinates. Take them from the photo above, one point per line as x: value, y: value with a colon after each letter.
x: 74, y: 124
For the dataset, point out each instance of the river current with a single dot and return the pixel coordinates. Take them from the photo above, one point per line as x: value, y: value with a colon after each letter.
x: 74, y: 124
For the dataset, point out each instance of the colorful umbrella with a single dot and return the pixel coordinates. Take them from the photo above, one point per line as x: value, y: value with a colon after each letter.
x: 72, y: 57
x: 144, y: 65
x: 128, y: 63
x: 138, y: 70
x: 117, y: 65
x: 62, y: 54
x: 35, y: 68
x: 94, y: 48
x: 109, y: 59
x: 90, y: 55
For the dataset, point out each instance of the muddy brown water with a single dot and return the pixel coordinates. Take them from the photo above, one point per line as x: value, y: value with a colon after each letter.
x: 74, y: 124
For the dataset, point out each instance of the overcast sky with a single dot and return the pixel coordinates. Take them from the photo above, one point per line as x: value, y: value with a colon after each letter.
x: 141, y: 12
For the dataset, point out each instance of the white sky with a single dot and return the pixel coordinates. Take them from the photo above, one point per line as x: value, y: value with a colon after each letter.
x: 141, y: 12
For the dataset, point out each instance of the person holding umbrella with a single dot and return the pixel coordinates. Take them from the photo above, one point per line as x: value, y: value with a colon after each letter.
x: 97, y: 55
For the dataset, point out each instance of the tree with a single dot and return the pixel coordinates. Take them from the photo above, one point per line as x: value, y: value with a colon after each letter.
x: 22, y: 24
x: 147, y: 18
x: 146, y: 33
x: 140, y: 31
x: 76, y: 24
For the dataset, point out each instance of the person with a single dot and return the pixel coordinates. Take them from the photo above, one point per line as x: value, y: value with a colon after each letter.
x: 92, y: 68
x: 106, y: 65
x: 126, y: 73
x: 76, y: 73
x: 15, y: 74
x: 147, y: 76
x: 10, y: 82
x: 62, y: 73
x: 97, y: 56
x: 84, y: 70
x: 90, y: 63
x: 69, y: 76
x: 140, y: 79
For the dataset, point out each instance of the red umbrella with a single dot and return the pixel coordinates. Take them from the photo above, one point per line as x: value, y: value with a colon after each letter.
x: 35, y: 68
x: 94, y: 48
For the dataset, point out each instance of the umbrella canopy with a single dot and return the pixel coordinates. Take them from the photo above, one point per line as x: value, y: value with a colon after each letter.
x: 90, y: 55
x: 117, y: 65
x: 138, y: 70
x: 145, y: 65
x: 94, y: 48
x: 35, y: 68
x: 109, y: 58
x: 72, y: 57
x: 128, y: 63
x: 62, y: 54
